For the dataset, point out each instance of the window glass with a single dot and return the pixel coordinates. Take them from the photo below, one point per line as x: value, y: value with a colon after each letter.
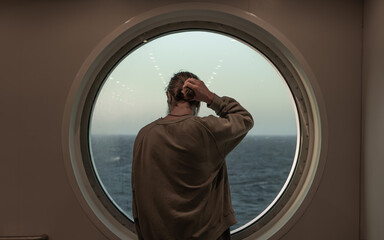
x: 133, y: 95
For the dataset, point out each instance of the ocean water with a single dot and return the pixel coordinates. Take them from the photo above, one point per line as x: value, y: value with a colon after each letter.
x: 257, y: 170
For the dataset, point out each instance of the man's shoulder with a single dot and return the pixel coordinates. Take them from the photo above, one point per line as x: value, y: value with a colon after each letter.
x: 206, y: 119
x: 146, y: 128
x: 206, y: 122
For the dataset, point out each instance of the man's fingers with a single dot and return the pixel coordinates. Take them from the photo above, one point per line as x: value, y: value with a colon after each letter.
x: 193, y: 81
x: 187, y: 84
x: 190, y: 84
x: 201, y: 91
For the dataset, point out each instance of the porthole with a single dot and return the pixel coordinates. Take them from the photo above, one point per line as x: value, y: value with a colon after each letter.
x: 129, y: 93
x: 124, y: 91
x: 132, y: 95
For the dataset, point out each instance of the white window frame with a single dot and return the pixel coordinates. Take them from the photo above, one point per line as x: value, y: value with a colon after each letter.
x: 217, y: 18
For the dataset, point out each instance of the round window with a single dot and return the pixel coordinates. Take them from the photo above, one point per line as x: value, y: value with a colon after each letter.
x: 129, y: 92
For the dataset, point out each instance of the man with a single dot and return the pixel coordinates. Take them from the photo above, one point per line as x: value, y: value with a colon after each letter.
x: 179, y: 176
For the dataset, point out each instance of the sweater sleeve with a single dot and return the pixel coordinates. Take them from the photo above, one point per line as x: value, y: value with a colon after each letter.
x: 231, y: 126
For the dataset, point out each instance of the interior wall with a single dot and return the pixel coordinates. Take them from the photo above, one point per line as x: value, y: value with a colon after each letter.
x: 44, y: 43
x: 373, y: 119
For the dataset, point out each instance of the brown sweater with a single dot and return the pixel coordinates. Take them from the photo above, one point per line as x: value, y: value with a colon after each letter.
x: 179, y: 176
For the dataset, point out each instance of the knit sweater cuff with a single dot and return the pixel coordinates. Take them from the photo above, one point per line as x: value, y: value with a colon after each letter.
x: 215, y: 104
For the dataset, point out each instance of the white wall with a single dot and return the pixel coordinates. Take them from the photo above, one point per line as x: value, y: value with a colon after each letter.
x: 44, y: 43
x: 373, y: 122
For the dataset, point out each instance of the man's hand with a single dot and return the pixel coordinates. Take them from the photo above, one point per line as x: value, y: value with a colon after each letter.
x: 202, y: 93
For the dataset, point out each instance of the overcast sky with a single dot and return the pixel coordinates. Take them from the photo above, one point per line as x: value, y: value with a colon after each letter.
x: 133, y: 94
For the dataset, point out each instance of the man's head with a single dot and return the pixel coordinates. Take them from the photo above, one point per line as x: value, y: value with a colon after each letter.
x: 177, y: 94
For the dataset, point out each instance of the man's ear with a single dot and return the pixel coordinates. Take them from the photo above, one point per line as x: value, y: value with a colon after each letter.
x: 169, y: 97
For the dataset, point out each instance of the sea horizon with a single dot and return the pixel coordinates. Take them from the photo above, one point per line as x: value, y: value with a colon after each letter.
x: 258, y: 168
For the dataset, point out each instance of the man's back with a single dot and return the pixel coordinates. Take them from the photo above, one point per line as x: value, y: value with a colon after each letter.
x: 179, y: 176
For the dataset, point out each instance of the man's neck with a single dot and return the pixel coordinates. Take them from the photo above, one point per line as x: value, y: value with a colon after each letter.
x: 181, y: 109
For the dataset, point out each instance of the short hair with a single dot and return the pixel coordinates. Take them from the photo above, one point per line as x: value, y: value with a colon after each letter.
x: 175, y: 88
